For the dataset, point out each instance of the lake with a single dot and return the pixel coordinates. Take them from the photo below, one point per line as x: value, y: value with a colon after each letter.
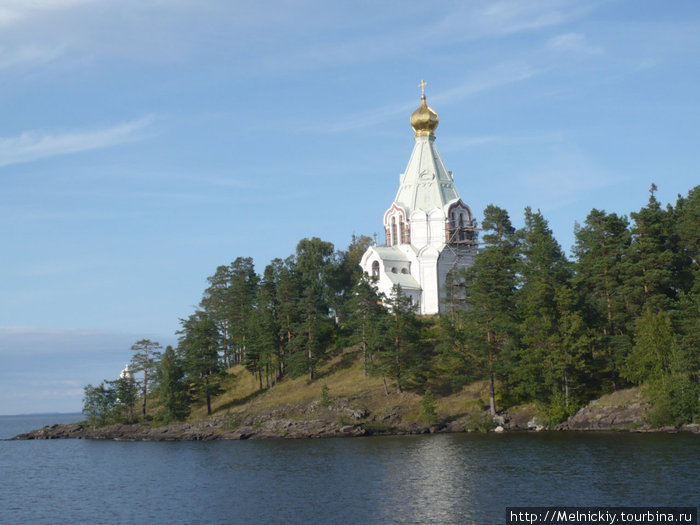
x: 445, y: 478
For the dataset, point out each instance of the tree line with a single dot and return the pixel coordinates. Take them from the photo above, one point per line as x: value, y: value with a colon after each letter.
x: 533, y: 324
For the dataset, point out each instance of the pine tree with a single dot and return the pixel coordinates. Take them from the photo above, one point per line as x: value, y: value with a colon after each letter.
x: 490, y: 284
x: 648, y: 273
x: 543, y: 270
x: 172, y: 388
x: 601, y: 244
x: 366, y: 318
x: 145, y: 359
x: 199, y: 346
x: 396, y: 353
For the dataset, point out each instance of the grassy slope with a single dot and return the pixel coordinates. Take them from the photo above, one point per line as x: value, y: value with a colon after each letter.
x: 347, y: 386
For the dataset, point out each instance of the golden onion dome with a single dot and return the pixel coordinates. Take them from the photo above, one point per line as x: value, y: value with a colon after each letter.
x: 424, y: 120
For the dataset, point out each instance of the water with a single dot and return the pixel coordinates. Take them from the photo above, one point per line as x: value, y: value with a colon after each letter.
x: 457, y: 478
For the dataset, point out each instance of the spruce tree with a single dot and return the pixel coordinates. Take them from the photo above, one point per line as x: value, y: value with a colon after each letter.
x: 542, y: 270
x: 601, y: 245
x: 490, y: 284
x: 199, y: 346
x: 172, y: 388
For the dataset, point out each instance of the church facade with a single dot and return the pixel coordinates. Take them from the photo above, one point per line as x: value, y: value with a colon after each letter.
x: 429, y: 231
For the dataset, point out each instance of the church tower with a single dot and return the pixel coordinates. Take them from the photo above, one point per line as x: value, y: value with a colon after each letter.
x: 429, y: 231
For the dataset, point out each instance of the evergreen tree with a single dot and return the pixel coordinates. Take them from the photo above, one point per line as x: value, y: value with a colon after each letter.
x: 287, y: 291
x: 601, y: 244
x: 347, y: 272
x: 543, y: 270
x: 366, y: 319
x: 314, y: 266
x: 687, y: 230
x: 145, y: 359
x: 648, y: 270
x: 490, y: 284
x: 228, y: 302
x: 172, y: 388
x: 98, y: 404
x: 396, y: 356
x: 199, y: 345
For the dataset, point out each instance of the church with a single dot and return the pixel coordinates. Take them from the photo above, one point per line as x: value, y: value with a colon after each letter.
x: 429, y: 231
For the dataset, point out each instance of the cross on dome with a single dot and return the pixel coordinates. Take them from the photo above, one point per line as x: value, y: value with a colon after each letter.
x: 424, y: 120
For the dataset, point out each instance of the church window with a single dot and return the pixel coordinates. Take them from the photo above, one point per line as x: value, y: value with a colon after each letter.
x: 400, y: 238
x: 393, y: 269
x: 375, y: 269
x: 404, y: 270
x: 393, y: 231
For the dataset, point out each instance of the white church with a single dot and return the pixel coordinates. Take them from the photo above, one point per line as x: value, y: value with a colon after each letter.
x: 430, y: 232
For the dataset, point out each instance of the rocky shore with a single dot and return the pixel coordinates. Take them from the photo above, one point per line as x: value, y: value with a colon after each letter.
x: 624, y: 411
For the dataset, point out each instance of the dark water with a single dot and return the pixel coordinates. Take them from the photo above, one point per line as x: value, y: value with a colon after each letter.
x: 458, y: 478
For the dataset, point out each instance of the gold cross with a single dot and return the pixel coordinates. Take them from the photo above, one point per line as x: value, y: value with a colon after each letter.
x: 422, y: 85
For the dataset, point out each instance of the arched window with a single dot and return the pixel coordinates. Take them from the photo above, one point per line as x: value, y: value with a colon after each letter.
x: 461, y: 227
x: 375, y: 269
x: 400, y: 238
x: 393, y: 231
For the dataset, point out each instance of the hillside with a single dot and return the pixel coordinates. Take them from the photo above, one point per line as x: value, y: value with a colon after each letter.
x: 356, y: 405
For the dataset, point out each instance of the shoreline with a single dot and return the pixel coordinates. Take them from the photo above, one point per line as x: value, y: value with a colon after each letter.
x: 219, y: 428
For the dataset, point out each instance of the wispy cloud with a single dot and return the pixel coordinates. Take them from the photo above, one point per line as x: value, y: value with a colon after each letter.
x: 459, y: 143
x: 31, y: 146
x: 484, y: 80
x: 28, y: 54
x: 13, y: 11
x: 27, y: 341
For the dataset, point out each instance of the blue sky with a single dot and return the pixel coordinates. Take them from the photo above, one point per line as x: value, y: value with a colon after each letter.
x: 145, y: 142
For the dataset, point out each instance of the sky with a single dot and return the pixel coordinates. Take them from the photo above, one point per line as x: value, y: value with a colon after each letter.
x: 143, y: 143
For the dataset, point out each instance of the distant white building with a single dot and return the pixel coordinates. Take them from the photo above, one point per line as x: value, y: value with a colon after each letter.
x: 430, y: 232
x: 127, y: 373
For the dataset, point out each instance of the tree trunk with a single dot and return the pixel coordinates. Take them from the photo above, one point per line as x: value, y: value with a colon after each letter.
x: 206, y: 386
x: 492, y: 395
x: 145, y: 389
x: 386, y: 389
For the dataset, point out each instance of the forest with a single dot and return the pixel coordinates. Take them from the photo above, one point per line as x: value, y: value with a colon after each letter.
x: 537, y: 326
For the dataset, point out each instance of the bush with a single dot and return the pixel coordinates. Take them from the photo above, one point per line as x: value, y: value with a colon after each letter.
x: 326, y: 398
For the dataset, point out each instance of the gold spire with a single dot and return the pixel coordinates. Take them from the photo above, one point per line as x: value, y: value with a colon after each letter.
x: 424, y: 120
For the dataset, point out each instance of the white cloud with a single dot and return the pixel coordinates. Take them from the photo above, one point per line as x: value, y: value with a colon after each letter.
x: 31, y: 146
x: 13, y: 11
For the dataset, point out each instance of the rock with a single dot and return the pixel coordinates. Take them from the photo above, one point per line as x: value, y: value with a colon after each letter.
x: 499, y: 420
x: 499, y: 429
x: 533, y: 424
x: 359, y: 413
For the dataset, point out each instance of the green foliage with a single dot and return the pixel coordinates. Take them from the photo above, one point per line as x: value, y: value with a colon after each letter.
x: 533, y: 325
x: 172, y: 388
x: 428, y: 407
x: 199, y: 345
x: 482, y: 422
x: 396, y: 354
x: 326, y: 399
x: 145, y: 359
x: 110, y: 402
x: 490, y: 323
